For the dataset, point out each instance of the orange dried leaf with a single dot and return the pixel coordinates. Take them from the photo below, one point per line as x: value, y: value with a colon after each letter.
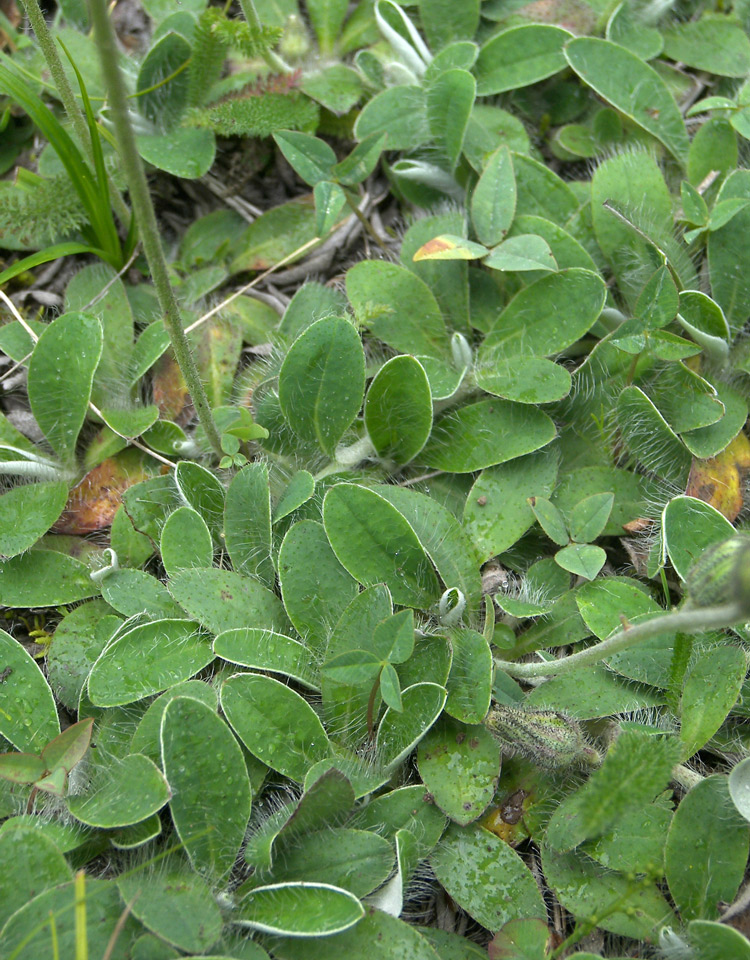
x: 740, y: 450
x: 719, y: 481
x: 638, y: 525
x: 449, y: 247
x: 93, y: 502
x: 170, y: 394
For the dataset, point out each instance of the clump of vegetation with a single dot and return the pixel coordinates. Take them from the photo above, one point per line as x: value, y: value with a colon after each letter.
x: 374, y: 561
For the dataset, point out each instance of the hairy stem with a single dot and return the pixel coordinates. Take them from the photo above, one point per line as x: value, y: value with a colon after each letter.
x: 633, y: 367
x: 352, y: 204
x: 34, y: 469
x: 371, y: 708
x: 691, y: 620
x: 686, y: 777
x: 30, y: 801
x: 143, y: 209
x: 74, y: 112
x: 273, y: 60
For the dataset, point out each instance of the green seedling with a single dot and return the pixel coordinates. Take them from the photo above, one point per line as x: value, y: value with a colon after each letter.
x: 332, y: 181
x: 49, y: 770
x: 393, y: 638
x: 588, y: 519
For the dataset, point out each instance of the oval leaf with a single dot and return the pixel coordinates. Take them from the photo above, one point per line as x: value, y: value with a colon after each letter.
x: 328, y: 855
x: 450, y: 98
x: 210, y: 802
x: 486, y: 433
x: 28, y: 512
x: 222, y: 600
x: 691, y: 526
x: 711, y: 688
x: 520, y: 56
x: 460, y: 767
x: 486, y: 877
x: 398, y: 409
x: 29, y: 716
x: 523, y: 252
x: 706, y: 850
x: 299, y: 909
x: 201, y: 490
x: 148, y: 659
x: 124, y: 791
x: 398, y: 307
x: 322, y: 381
x: 247, y: 523
x: 525, y: 379
x: 631, y: 86
x: 493, y: 203
x: 32, y: 863
x: 133, y: 592
x: 185, y: 541
x: 61, y: 373
x: 713, y: 44
x: 401, y: 112
x: 45, y: 578
x: 315, y: 587
x: 376, y: 544
x: 548, y: 316
x: 469, y: 682
x: 444, y: 540
x: 400, y: 731
x: 266, y: 650
x: 276, y: 724
x: 183, y: 152
x: 178, y: 907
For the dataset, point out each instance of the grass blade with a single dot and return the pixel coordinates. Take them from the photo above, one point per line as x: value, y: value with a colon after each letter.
x: 70, y: 156
x: 50, y: 253
x: 106, y: 225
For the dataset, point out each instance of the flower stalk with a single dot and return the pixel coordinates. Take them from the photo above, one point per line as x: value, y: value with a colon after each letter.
x: 143, y: 210
x: 273, y: 60
x: 688, y: 621
x: 718, y: 587
x: 72, y: 109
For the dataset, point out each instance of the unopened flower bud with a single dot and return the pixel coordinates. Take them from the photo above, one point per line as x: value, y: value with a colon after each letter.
x: 295, y: 44
x: 721, y: 575
x: 547, y: 737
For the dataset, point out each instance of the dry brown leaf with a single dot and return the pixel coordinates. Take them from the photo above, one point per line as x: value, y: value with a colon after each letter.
x: 93, y: 502
x: 720, y: 481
